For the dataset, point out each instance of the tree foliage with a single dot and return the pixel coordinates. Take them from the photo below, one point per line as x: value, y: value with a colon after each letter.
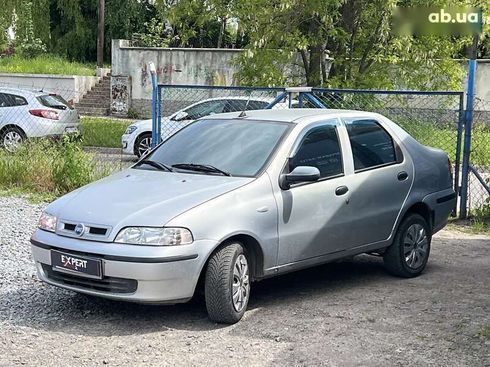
x: 340, y: 43
x: 347, y: 43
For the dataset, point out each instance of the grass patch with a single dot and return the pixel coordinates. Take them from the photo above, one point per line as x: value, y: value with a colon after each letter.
x: 44, y: 64
x: 445, y: 138
x: 47, y: 168
x: 32, y: 197
x: 473, y: 225
x: 485, y: 332
x: 103, y: 132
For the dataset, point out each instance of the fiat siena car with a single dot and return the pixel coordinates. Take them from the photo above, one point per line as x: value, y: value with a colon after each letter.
x: 232, y: 199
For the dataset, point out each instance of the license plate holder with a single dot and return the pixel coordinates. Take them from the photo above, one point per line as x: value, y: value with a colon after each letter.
x: 77, y: 265
x: 71, y: 130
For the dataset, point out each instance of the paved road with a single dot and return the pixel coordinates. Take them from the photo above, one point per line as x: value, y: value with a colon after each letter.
x: 343, y: 314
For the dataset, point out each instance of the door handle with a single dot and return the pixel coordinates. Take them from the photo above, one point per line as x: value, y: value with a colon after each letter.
x: 402, y: 176
x: 341, y: 190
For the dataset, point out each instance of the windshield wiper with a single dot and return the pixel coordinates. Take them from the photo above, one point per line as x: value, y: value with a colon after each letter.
x: 201, y: 168
x: 158, y: 165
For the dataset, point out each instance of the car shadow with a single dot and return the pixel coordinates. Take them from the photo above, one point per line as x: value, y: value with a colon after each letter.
x: 45, y: 307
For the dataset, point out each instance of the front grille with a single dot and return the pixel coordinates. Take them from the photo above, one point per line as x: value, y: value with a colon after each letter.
x: 106, y: 284
x: 68, y: 228
x: 98, y: 231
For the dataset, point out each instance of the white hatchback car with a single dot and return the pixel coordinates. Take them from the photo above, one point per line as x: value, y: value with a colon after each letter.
x: 137, y: 137
x: 31, y: 114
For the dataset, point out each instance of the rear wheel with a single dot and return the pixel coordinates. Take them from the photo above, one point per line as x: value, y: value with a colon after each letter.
x: 409, y: 253
x: 142, y: 144
x: 227, y: 284
x: 11, y: 138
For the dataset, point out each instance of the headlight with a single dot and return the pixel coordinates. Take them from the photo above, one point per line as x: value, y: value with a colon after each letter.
x: 153, y: 236
x: 47, y: 222
x: 131, y: 129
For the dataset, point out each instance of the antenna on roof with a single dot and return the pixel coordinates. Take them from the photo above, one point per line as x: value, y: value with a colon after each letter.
x: 243, y: 114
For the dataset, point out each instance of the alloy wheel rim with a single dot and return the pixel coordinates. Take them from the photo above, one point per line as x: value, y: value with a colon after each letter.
x: 12, y: 140
x: 241, y: 283
x: 144, y: 146
x: 415, y: 245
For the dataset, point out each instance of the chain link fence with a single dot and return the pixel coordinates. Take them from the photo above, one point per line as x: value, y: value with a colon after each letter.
x: 479, y: 173
x: 54, y: 135
x: 433, y: 118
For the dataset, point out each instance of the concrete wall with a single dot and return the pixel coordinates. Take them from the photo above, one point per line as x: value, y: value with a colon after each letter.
x: 482, y: 87
x: 196, y: 66
x: 70, y: 87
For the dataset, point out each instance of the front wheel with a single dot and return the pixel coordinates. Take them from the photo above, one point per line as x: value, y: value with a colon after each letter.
x: 142, y: 144
x: 409, y: 253
x: 227, y: 284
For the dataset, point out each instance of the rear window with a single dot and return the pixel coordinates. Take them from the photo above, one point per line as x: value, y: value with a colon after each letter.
x: 54, y: 101
x: 371, y: 145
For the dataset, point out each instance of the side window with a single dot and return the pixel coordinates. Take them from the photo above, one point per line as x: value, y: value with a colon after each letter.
x: 205, y: 109
x: 320, y: 148
x: 11, y: 100
x: 18, y: 100
x: 257, y: 105
x: 235, y: 105
x: 3, y: 100
x: 371, y: 145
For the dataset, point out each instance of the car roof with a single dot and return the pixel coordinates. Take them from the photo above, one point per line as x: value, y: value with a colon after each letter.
x: 21, y: 91
x: 295, y: 115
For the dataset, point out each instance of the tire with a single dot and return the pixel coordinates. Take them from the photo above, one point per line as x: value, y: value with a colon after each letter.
x: 142, y: 144
x: 409, y: 253
x: 227, y: 275
x: 11, y: 138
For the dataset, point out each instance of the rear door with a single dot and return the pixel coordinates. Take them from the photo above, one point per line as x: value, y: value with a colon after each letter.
x: 379, y: 185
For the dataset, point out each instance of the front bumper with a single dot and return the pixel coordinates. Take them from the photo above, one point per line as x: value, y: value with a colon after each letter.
x: 168, y: 278
x: 127, y: 142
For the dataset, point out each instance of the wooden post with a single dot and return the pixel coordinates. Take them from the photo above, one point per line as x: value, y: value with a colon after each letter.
x: 100, y: 34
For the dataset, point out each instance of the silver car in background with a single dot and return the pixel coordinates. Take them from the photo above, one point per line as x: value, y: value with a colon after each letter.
x: 232, y: 199
x: 33, y: 114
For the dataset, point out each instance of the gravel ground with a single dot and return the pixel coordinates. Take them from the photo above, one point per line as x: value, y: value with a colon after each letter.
x: 343, y: 314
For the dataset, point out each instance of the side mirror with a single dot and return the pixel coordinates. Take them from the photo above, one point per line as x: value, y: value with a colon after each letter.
x: 179, y: 116
x: 299, y: 174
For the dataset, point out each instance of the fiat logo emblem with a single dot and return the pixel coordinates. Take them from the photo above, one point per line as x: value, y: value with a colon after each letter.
x: 79, y: 229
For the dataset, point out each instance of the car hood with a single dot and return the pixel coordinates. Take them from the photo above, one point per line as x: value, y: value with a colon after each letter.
x: 137, y: 197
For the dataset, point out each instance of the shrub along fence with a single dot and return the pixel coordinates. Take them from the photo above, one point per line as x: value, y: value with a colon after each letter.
x: 45, y: 146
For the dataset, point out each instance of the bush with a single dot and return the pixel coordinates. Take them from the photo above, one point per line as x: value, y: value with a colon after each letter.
x: 47, y: 167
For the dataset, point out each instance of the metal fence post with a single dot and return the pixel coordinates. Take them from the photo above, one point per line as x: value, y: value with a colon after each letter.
x: 467, y: 138
x: 154, y: 105
x: 457, y: 159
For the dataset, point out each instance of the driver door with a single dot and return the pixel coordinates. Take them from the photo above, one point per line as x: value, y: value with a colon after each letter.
x: 311, y: 215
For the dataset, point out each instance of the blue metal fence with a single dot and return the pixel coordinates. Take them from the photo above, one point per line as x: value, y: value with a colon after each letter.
x: 436, y: 118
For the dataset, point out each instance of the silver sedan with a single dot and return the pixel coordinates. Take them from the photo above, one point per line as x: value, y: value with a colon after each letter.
x: 232, y: 199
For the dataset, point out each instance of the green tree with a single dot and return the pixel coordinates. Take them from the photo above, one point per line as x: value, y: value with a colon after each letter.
x: 197, y: 23
x: 356, y: 35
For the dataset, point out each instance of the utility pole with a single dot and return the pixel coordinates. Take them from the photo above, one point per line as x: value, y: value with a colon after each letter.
x: 100, y: 34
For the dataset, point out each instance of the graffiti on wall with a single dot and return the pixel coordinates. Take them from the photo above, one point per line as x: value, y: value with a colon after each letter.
x: 120, y: 94
x: 193, y: 74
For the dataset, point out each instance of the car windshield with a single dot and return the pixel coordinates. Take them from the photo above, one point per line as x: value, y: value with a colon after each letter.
x: 237, y: 147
